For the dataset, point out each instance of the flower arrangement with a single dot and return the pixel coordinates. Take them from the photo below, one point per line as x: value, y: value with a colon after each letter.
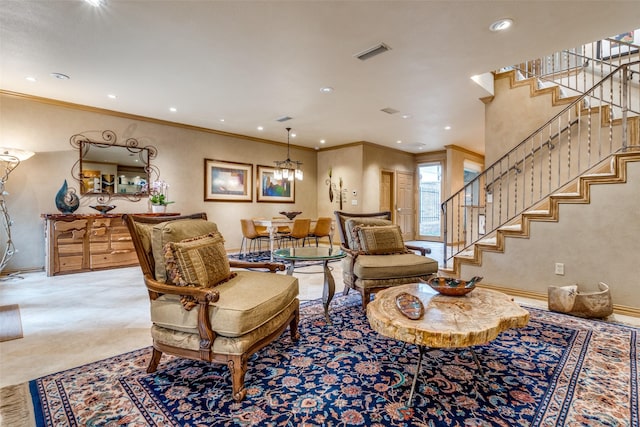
x: 159, y: 193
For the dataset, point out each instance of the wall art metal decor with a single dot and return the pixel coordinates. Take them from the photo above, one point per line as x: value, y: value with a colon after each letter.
x: 272, y: 190
x: 227, y: 181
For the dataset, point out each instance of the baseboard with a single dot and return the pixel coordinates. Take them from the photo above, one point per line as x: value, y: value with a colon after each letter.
x: 624, y: 310
x: 6, y: 273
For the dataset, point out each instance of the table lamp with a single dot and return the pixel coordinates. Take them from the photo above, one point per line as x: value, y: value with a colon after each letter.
x: 10, y: 158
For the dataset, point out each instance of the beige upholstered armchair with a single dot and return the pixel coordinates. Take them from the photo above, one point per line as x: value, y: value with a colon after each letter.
x: 377, y: 257
x: 200, y: 308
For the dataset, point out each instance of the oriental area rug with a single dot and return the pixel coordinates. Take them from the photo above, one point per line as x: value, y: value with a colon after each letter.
x: 558, y: 370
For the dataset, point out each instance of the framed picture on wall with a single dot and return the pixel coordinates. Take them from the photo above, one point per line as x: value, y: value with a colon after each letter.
x: 608, y: 50
x: 227, y: 181
x: 271, y: 190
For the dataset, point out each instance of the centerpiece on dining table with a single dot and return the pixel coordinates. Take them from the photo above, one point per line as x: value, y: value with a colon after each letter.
x: 290, y: 215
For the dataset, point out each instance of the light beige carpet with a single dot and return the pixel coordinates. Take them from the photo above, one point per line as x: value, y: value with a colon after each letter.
x: 10, y: 324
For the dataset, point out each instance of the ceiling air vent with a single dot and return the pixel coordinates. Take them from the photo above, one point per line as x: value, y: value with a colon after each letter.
x: 283, y: 119
x: 389, y: 110
x: 372, y: 51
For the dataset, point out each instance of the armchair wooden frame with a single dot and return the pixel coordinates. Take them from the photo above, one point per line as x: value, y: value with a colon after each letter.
x: 237, y: 363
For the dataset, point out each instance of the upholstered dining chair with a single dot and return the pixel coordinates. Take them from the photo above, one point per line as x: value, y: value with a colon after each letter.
x: 299, y: 231
x: 322, y: 229
x: 377, y: 257
x: 251, y: 235
x: 200, y: 308
x: 282, y: 229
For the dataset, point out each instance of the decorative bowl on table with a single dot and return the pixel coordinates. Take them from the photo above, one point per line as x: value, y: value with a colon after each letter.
x: 103, y: 209
x: 452, y: 287
x: 290, y: 215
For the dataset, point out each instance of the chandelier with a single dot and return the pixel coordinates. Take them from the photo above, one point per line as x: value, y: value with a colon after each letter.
x: 288, y: 169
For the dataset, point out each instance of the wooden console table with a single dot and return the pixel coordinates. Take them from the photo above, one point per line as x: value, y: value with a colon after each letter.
x: 86, y: 242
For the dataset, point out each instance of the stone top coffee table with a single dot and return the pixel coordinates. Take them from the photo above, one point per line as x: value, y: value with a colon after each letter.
x: 448, y: 321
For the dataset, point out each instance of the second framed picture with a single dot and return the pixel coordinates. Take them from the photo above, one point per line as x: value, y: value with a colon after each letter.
x: 274, y: 190
x: 227, y: 181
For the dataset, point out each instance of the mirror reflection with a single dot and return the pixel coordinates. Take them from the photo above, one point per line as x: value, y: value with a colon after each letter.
x: 113, y: 169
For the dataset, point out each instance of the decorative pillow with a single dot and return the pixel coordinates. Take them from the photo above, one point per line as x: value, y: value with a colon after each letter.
x: 352, y: 236
x: 175, y: 231
x: 381, y: 239
x: 201, y: 261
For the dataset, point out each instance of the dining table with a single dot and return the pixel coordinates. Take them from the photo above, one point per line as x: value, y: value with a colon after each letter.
x: 273, y: 224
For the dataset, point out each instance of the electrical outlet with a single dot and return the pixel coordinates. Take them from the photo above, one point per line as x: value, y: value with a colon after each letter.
x: 559, y: 269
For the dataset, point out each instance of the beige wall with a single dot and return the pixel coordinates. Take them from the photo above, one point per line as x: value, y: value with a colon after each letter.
x: 512, y: 116
x: 596, y: 242
x: 46, y: 129
x: 345, y: 163
x: 360, y: 166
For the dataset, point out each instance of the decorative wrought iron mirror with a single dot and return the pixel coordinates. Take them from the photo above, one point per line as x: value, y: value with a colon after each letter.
x: 107, y: 169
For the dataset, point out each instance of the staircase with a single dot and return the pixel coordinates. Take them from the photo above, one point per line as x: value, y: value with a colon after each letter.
x: 590, y: 141
x: 611, y: 171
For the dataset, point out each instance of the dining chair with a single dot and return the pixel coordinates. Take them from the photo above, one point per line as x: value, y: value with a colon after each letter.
x: 322, y: 229
x: 300, y: 231
x: 282, y: 229
x: 250, y: 235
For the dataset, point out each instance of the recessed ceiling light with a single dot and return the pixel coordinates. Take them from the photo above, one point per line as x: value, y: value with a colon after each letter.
x: 322, y: 141
x: 260, y: 128
x: 173, y: 109
x: 326, y: 89
x: 59, y: 76
x: 447, y: 128
x: 293, y: 135
x: 501, y: 24
x: 95, y: 3
x: 221, y: 120
x: 112, y: 96
x: 30, y: 78
x: 398, y: 142
x: 406, y: 116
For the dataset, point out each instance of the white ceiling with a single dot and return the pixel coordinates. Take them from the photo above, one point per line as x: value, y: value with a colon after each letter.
x: 251, y: 62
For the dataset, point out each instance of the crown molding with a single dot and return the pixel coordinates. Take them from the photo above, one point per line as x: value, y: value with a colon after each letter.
x: 114, y: 113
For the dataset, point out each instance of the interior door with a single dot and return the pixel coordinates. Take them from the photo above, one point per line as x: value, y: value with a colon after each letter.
x: 405, y: 212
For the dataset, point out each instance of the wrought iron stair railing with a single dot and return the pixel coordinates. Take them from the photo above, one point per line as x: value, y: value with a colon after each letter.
x: 574, y: 141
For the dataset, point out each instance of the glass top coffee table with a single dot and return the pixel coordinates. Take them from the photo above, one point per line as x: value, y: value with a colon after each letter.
x: 310, y: 253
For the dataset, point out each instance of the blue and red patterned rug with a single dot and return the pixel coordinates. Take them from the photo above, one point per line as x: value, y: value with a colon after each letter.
x: 559, y: 370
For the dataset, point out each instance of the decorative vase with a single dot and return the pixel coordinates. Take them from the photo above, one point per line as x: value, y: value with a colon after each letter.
x: 158, y: 208
x: 66, y: 199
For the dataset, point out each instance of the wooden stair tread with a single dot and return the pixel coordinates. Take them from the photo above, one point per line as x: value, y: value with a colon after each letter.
x: 511, y: 227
